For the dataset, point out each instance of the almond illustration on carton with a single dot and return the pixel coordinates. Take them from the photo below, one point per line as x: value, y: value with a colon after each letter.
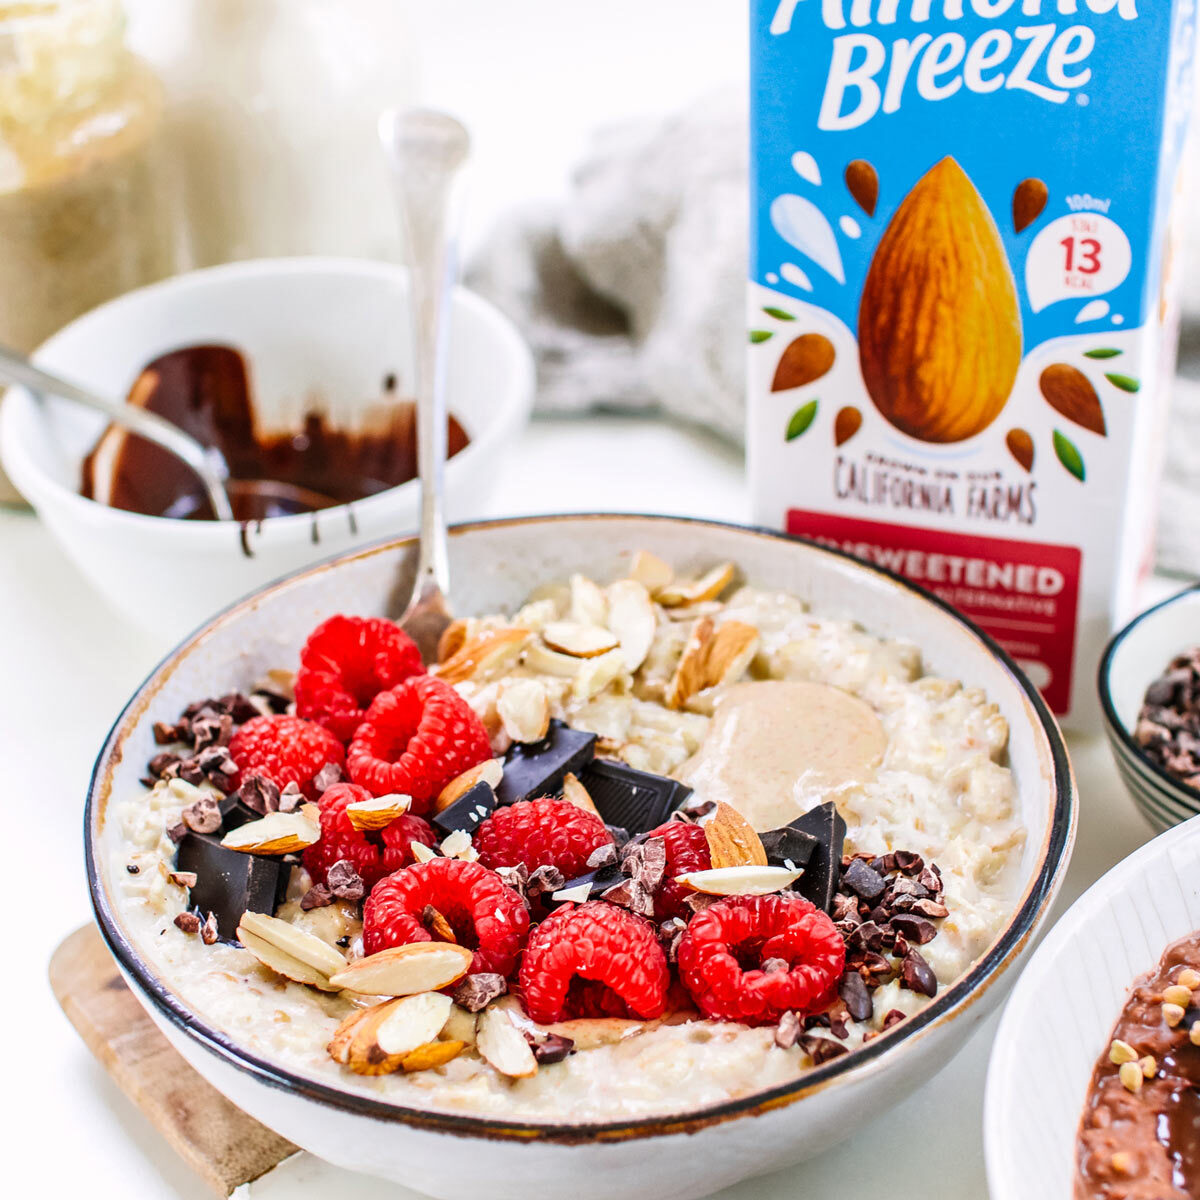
x: 847, y: 423
x: 862, y: 182
x: 1020, y: 446
x: 939, y: 323
x: 806, y: 360
x: 1069, y: 391
x: 1029, y: 202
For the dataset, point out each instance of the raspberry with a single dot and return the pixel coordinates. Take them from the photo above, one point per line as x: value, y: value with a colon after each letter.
x: 687, y: 850
x: 284, y: 749
x: 415, y: 739
x: 541, y: 833
x: 345, y: 664
x: 721, y: 952
x: 594, y: 960
x: 373, y: 856
x: 485, y: 914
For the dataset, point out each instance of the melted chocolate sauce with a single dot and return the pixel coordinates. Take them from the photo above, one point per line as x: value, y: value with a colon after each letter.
x: 205, y: 390
x: 1145, y: 1145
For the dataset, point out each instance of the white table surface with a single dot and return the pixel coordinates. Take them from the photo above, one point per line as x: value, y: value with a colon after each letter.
x: 66, y: 667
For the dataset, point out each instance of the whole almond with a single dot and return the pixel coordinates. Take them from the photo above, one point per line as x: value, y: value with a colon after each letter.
x: 806, y: 360
x: 276, y: 833
x: 1069, y: 391
x: 1029, y: 202
x: 847, y: 423
x: 432, y: 1054
x: 1020, y: 446
x: 732, y: 841
x: 503, y: 1045
x: 378, y: 812
x: 862, y: 181
x: 939, y: 323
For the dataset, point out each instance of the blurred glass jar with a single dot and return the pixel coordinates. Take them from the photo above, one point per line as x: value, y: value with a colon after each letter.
x: 84, y: 214
x: 272, y: 108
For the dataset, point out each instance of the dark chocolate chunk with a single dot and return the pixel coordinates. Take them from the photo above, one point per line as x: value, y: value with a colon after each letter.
x: 188, y: 922
x: 239, y: 706
x: 630, y: 894
x: 913, y: 928
x: 856, y: 996
x: 317, y: 896
x: 236, y: 812
x: 161, y: 763
x: 551, y: 1049
x: 259, y: 794
x: 864, y: 881
x: 819, y: 883
x: 788, y: 845
x: 822, y: 1049
x: 465, y: 814
x: 326, y: 777
x: 598, y: 881
x: 787, y: 1032
x: 602, y: 856
x: 344, y: 881
x: 537, y: 768
x: 543, y: 881
x: 636, y: 800
x: 917, y: 975
x: 292, y: 797
x: 477, y: 991
x: 203, y: 815
x: 646, y: 862
x: 208, y: 931
x: 893, y: 1017
x: 228, y: 882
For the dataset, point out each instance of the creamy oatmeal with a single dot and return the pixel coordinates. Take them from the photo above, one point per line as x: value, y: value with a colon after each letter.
x: 754, y: 703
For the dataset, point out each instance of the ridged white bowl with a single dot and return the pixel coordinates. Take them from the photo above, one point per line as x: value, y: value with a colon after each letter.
x: 1065, y: 1004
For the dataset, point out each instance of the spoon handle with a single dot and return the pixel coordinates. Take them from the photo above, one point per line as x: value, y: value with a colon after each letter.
x: 426, y: 151
x: 208, y: 464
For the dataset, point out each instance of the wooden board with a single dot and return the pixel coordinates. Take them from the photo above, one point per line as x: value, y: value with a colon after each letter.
x: 224, y: 1146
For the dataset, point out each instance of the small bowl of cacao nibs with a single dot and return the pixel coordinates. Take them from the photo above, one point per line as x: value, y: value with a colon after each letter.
x: 1150, y: 696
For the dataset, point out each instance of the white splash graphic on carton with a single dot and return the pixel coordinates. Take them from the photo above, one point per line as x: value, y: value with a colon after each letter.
x: 795, y: 276
x: 1097, y: 310
x: 850, y: 227
x: 802, y: 225
x: 806, y: 167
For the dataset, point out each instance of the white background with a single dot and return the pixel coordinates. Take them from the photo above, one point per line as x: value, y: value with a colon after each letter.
x: 529, y: 76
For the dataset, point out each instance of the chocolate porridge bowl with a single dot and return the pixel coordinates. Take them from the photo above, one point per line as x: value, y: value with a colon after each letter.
x: 892, y: 717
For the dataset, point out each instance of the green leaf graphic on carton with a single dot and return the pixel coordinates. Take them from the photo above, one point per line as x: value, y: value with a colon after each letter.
x: 1069, y: 456
x: 1103, y: 352
x: 758, y: 336
x: 802, y: 418
x: 1125, y: 382
x: 778, y: 313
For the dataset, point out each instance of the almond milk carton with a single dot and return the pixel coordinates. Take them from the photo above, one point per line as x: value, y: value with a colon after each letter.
x: 959, y: 318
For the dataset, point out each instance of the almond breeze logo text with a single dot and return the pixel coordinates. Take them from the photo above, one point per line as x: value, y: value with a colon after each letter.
x: 869, y: 74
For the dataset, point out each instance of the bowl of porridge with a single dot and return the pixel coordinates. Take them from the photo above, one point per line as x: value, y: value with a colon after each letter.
x: 1106, y: 1018
x: 697, y: 842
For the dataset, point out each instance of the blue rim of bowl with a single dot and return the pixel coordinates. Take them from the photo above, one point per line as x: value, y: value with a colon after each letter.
x: 1161, y: 783
x: 957, y: 997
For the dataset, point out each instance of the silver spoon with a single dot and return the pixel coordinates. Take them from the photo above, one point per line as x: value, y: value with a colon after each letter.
x: 426, y: 151
x: 257, y: 496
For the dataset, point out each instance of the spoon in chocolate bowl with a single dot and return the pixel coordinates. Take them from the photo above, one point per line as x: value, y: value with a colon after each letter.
x: 221, y: 496
x: 426, y: 151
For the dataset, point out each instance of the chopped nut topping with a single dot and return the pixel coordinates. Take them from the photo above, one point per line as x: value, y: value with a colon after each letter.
x: 1121, y: 1052
x: 1178, y: 994
x: 1173, y: 1014
x: 1132, y: 1077
x: 188, y: 922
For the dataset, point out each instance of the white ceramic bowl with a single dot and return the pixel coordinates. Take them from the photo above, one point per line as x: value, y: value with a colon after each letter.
x: 333, y: 328
x: 1060, y: 1018
x: 495, y: 566
x: 1136, y: 656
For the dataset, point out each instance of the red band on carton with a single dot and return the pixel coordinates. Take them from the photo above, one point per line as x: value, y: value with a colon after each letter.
x: 1024, y: 594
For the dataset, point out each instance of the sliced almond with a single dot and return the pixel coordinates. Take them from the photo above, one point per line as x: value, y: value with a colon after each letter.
x: 631, y: 618
x: 453, y: 639
x: 576, y: 894
x: 732, y: 841
x: 440, y: 929
x: 740, y: 881
x: 378, y: 812
x: 578, y: 640
x: 590, y: 1033
x: 730, y: 653
x: 456, y: 844
x: 489, y: 771
x: 489, y: 652
x: 339, y: 1044
x: 412, y: 1022
x: 362, y: 1052
x: 595, y: 674
x: 276, y: 833
x: 577, y: 794
x: 432, y: 1054
x: 284, y: 964
x: 588, y: 605
x: 422, y: 852
x: 707, y: 587
x: 650, y: 571
x: 523, y: 706
x: 306, y: 947
x: 689, y: 675
x: 406, y: 970
x: 503, y: 1045
x: 544, y: 661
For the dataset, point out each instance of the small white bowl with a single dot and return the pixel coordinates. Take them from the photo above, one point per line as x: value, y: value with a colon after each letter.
x: 1136, y: 656
x: 1062, y: 1011
x: 324, y: 327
